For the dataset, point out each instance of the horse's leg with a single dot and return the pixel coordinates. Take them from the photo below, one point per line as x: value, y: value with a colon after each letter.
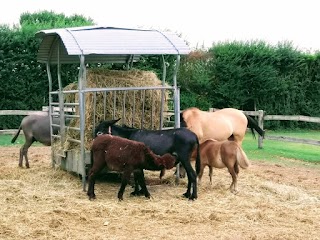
x: 91, y: 180
x: 162, y: 172
x: 192, y: 179
x: 26, y: 157
x: 125, y: 179
x: 202, y: 166
x: 137, y: 191
x: 21, y: 157
x: 234, y: 179
x: 210, y: 174
x: 236, y: 169
x: 182, y: 171
x: 142, y: 182
x: 24, y: 152
x: 98, y: 164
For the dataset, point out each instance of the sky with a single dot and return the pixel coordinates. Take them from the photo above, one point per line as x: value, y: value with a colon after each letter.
x: 200, y: 22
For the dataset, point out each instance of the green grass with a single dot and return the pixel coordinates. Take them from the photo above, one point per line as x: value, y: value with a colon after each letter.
x: 5, y: 140
x: 304, y: 134
x: 278, y: 150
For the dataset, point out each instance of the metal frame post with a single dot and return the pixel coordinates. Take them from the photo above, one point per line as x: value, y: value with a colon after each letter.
x: 81, y: 87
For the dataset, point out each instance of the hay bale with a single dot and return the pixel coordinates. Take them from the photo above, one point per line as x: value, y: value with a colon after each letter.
x: 130, y: 101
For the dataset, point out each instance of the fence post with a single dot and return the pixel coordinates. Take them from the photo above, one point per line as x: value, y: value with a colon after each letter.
x: 260, y: 123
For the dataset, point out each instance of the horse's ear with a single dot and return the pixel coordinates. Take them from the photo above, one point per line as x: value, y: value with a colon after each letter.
x: 114, y: 121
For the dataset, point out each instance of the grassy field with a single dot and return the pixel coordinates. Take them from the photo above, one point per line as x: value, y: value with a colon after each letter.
x: 5, y: 140
x: 272, y: 150
x: 276, y: 150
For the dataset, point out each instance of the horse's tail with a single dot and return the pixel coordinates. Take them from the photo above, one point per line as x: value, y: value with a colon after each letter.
x: 242, y: 158
x: 15, y: 136
x: 198, y: 157
x: 252, y: 124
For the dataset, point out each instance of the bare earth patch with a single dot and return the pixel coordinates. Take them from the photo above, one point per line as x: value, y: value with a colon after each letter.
x: 275, y: 201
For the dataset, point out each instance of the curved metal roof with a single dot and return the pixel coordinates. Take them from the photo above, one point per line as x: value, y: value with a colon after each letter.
x: 106, y: 44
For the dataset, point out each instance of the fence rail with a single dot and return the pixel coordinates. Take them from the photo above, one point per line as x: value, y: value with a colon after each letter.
x: 292, y: 118
x: 19, y: 112
x: 259, y: 114
x: 301, y: 118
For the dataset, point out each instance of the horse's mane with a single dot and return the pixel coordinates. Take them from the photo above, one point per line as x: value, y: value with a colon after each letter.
x: 127, y: 127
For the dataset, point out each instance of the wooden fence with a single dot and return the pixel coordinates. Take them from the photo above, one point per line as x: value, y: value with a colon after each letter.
x: 259, y: 114
x: 262, y: 118
x: 16, y: 113
x: 45, y: 109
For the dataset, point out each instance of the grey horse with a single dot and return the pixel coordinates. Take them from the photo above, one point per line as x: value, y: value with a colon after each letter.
x: 36, y: 127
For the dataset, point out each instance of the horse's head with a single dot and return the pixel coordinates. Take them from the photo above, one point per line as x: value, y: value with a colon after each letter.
x: 104, y: 127
x: 166, y: 161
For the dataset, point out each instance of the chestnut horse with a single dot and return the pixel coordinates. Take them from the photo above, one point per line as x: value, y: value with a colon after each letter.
x: 221, y: 154
x: 223, y: 124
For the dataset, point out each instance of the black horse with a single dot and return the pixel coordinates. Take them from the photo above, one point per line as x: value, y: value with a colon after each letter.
x: 180, y: 142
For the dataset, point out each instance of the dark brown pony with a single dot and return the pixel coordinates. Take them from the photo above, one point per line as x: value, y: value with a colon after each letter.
x: 221, y: 154
x: 224, y: 124
x: 127, y: 156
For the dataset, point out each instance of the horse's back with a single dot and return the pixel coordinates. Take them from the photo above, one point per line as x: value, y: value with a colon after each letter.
x: 219, y: 125
x: 236, y: 116
x: 160, y: 142
x: 237, y: 120
x: 207, y: 125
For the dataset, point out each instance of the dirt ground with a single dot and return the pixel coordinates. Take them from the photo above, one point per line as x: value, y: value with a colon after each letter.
x: 275, y: 201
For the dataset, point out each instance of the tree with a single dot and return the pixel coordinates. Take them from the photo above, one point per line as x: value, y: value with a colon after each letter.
x: 23, y: 79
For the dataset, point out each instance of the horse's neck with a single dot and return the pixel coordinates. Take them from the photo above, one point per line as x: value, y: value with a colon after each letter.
x: 152, y: 161
x: 123, y: 132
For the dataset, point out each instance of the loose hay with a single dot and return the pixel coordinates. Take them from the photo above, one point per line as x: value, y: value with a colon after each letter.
x: 103, y: 104
x: 45, y: 203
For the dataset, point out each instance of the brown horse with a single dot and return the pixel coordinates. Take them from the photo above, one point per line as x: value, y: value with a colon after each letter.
x: 224, y: 124
x: 221, y: 154
x: 127, y: 156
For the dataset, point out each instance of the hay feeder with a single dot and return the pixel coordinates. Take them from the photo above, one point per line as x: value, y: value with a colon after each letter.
x: 135, y: 96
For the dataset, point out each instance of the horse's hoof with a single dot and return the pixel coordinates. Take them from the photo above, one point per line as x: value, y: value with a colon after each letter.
x: 235, y: 192
x: 187, y: 195
x: 137, y: 193
x: 91, y: 196
x: 193, y: 198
